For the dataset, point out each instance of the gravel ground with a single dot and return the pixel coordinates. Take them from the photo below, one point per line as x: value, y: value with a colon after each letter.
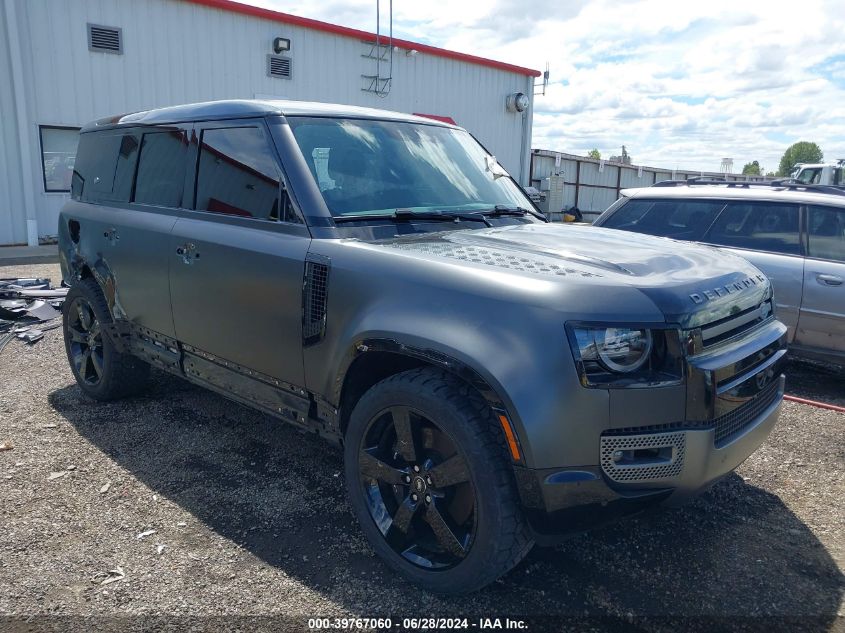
x: 210, y: 509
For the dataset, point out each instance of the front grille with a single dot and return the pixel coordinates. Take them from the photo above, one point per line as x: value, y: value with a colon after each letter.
x: 726, y: 426
x: 635, y: 472
x: 735, y: 324
x: 733, y: 423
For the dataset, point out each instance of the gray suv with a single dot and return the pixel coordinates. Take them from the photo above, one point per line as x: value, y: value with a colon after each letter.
x: 380, y: 280
x: 793, y: 232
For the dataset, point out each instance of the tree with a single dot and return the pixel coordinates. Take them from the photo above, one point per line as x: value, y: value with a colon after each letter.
x: 770, y: 174
x: 800, y: 152
x: 594, y: 153
x: 751, y: 169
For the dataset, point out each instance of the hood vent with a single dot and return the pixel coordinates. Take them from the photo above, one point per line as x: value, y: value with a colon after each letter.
x: 278, y: 66
x: 314, y: 296
x: 105, y: 39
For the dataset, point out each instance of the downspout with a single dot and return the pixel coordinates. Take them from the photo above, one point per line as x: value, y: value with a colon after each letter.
x: 18, y: 89
x: 527, y: 122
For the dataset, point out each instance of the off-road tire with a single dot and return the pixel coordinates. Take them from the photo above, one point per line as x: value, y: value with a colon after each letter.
x: 502, y: 537
x: 122, y: 374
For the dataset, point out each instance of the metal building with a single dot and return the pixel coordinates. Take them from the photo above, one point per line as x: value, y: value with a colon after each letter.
x: 65, y: 63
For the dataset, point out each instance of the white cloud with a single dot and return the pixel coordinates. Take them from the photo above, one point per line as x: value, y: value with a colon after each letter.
x: 679, y: 83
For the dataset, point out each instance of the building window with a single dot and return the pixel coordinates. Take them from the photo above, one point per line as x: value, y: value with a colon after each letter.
x: 58, y: 154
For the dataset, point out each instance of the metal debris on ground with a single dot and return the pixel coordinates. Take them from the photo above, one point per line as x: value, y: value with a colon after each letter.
x: 106, y: 578
x: 145, y: 534
x: 25, y: 303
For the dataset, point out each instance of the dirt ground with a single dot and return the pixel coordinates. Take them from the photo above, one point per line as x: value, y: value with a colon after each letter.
x: 194, y: 507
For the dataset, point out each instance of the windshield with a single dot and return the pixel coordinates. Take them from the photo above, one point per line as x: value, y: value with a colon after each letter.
x: 809, y: 176
x: 366, y: 167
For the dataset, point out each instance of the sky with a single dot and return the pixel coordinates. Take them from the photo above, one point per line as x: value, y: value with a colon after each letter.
x: 679, y: 83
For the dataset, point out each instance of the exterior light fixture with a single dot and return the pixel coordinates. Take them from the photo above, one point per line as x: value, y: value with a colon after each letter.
x: 280, y: 45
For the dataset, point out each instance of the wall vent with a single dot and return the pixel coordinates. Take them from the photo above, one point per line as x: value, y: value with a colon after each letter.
x: 105, y: 39
x: 279, y: 66
x: 314, y: 296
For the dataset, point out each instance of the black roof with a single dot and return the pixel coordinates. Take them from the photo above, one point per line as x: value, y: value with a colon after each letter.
x: 244, y: 108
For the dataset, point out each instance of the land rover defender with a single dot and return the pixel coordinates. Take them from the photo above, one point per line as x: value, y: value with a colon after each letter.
x: 379, y: 279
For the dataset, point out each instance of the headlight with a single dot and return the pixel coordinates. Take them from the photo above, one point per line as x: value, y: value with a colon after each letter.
x: 615, y: 356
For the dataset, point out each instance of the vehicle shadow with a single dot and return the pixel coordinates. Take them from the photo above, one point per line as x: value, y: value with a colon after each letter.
x: 279, y: 494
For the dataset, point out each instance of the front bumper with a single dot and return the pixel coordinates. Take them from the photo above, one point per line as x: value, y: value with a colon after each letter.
x: 731, y: 415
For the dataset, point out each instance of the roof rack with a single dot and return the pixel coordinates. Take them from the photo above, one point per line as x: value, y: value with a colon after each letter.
x: 784, y: 183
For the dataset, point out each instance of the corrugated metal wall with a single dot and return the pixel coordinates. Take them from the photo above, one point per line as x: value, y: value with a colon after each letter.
x: 593, y: 187
x: 180, y: 52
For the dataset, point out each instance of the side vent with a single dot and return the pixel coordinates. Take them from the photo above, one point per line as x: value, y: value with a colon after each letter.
x: 105, y: 39
x: 314, y: 295
x: 278, y: 66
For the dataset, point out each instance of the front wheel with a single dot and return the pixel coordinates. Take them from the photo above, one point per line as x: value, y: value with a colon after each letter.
x: 429, y: 482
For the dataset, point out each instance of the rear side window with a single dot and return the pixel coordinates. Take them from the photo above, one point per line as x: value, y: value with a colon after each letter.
x: 161, y: 169
x: 94, y: 162
x: 826, y: 228
x: 238, y: 174
x: 103, y: 168
x: 678, y: 219
x: 758, y: 226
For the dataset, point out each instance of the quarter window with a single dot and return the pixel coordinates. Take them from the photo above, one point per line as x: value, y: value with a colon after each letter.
x: 58, y: 155
x: 678, y: 219
x: 238, y: 174
x: 97, y: 167
x: 161, y: 169
x: 826, y: 228
x: 758, y: 226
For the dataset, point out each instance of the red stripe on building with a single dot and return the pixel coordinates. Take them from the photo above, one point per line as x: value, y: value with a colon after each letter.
x: 327, y: 27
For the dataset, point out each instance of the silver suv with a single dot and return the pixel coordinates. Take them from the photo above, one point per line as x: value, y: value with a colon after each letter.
x: 794, y: 233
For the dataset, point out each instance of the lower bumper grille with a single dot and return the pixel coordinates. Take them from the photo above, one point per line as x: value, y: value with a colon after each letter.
x: 733, y: 423
x: 612, y: 446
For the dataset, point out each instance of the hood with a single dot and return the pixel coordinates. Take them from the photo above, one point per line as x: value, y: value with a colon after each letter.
x: 691, y: 284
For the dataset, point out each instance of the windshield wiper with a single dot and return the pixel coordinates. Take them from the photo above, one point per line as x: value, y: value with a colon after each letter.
x: 503, y: 210
x: 403, y: 215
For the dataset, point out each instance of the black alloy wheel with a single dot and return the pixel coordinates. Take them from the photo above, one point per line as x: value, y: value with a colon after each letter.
x: 417, y: 488
x: 101, y: 370
x: 85, y: 341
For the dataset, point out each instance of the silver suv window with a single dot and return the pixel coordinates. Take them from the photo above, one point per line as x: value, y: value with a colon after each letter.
x: 770, y: 227
x: 678, y: 219
x: 826, y: 229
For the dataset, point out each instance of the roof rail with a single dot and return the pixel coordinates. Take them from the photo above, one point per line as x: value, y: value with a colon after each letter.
x: 785, y: 183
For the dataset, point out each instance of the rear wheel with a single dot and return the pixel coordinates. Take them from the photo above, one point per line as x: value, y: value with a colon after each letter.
x: 100, y: 370
x: 429, y: 481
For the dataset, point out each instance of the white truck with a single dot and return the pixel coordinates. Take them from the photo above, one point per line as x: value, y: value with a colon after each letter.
x: 821, y: 173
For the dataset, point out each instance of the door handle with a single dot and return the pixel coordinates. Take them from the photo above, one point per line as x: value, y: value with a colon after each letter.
x: 188, y: 252
x: 829, y: 280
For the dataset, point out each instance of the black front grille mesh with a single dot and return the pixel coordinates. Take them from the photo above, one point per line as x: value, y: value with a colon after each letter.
x: 730, y: 424
x: 314, y: 301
